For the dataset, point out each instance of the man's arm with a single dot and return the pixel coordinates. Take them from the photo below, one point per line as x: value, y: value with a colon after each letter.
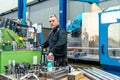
x: 46, y: 43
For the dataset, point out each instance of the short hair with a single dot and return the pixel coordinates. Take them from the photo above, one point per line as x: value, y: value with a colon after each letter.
x: 52, y: 15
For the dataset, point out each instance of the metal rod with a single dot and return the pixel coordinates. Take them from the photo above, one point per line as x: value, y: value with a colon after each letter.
x: 106, y: 74
x: 94, y: 74
x: 88, y: 74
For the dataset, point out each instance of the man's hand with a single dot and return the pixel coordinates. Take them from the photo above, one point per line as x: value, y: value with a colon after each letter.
x: 50, y: 56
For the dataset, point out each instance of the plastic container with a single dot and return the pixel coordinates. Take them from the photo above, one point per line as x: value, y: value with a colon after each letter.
x: 50, y: 65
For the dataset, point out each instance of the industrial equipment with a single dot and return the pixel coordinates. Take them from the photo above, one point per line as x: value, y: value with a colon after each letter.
x: 81, y: 37
x: 109, y: 40
x: 86, y: 40
x: 75, y: 26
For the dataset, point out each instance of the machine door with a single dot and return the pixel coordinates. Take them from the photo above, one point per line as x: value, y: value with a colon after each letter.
x: 109, y: 42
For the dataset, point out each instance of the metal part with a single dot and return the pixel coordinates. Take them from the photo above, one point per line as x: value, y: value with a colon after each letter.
x: 98, y: 74
x: 29, y: 75
x: 57, y: 74
x: 88, y: 74
x: 7, y: 69
x: 95, y: 74
x: 20, y: 69
x: 106, y: 74
x: 44, y: 58
x: 7, y: 77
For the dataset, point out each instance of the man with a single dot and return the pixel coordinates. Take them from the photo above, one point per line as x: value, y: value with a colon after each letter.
x: 57, y: 43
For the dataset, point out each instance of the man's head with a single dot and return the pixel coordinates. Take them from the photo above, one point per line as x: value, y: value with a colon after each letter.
x: 53, y: 21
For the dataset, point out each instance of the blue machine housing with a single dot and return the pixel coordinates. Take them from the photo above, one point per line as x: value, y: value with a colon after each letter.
x: 76, y: 24
x: 111, y: 65
x: 89, y: 1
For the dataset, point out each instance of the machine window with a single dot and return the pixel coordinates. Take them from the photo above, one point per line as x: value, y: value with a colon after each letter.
x: 114, y: 40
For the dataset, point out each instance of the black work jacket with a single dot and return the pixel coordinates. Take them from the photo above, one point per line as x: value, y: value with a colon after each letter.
x: 57, y: 42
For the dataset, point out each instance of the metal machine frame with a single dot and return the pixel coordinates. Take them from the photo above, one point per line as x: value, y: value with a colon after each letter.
x: 109, y: 64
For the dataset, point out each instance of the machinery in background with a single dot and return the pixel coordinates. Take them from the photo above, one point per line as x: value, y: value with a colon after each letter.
x: 75, y: 26
x: 99, y: 33
x: 109, y: 40
x: 28, y: 37
x: 82, y: 39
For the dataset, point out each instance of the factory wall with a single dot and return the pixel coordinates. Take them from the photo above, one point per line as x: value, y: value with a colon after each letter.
x: 39, y: 13
x: 6, y: 5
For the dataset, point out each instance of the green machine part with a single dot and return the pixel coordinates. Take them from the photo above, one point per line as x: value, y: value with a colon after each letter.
x: 9, y: 35
x: 19, y: 56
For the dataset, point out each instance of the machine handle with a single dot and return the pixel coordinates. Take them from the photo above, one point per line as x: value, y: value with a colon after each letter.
x: 102, y: 48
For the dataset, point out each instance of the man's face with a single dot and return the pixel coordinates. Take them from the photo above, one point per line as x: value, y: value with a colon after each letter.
x: 53, y: 21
